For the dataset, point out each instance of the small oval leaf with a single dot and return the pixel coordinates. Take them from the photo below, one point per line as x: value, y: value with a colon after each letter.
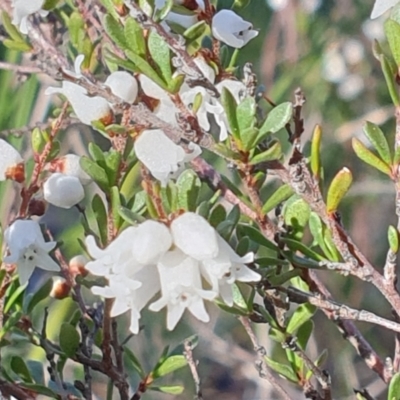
x: 378, y: 140
x: 393, y: 238
x: 338, y: 188
x: 69, y: 339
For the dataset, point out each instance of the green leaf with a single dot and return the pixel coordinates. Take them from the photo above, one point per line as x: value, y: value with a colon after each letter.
x: 100, y: 213
x: 110, y: 7
x: 132, y: 359
x: 280, y: 195
x: 54, y: 151
x: 146, y: 69
x: 392, y: 32
x: 296, y: 213
x: 69, y: 339
x: 195, y: 31
x: 168, y: 389
x: 170, y: 364
x: 394, y: 387
x: 188, y: 186
x: 160, y: 54
x: 129, y: 216
x: 393, y: 238
x: 18, y: 46
x: 36, y: 371
x: 273, y: 153
x: 97, y: 173
x: 245, y: 113
x: 389, y: 75
x: 18, y: 365
x: 229, y: 104
x: 282, y: 369
x: 161, y: 14
x: 134, y: 37
x: 218, y: 214
x: 295, y: 246
x: 248, y: 138
x: 97, y: 154
x: 113, y: 162
x: 302, y: 314
x: 76, y: 28
x: 40, y: 389
x: 12, y: 30
x: 277, y: 118
x: 239, y: 4
x: 370, y: 158
x: 118, y: 61
x: 338, y: 188
x: 315, y: 152
x: 13, y: 299
x: 32, y: 299
x: 378, y: 140
x: 115, y: 207
x: 10, y: 323
x: 256, y: 236
x: 116, y: 31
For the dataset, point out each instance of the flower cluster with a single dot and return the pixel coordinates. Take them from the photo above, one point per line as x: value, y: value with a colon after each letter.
x: 151, y: 257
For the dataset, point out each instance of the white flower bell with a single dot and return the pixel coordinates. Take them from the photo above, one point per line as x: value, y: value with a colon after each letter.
x: 381, y: 6
x: 28, y: 249
x: 9, y: 160
x: 63, y: 190
x: 231, y: 29
x: 161, y: 155
x: 123, y: 85
x: 86, y: 108
x: 22, y: 9
x: 181, y: 288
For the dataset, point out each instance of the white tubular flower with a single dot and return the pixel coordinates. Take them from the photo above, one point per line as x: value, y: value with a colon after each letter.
x: 181, y: 288
x: 131, y: 293
x: 86, y: 108
x: 219, y: 264
x: 231, y: 29
x: 28, y: 249
x: 115, y: 257
x: 9, y: 161
x: 22, y: 10
x: 165, y: 109
x: 63, y: 191
x: 381, y: 6
x: 70, y: 165
x: 161, y: 155
x: 123, y: 85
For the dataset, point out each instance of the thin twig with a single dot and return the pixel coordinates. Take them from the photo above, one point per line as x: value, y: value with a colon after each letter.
x: 260, y: 364
x: 188, y: 353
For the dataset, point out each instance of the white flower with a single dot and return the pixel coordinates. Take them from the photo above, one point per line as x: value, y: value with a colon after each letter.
x: 161, y: 155
x: 63, y: 190
x: 181, y: 288
x: 381, y: 6
x: 231, y: 29
x: 28, y: 249
x: 123, y: 85
x: 165, y: 109
x: 133, y: 249
x: 277, y: 5
x: 86, y: 108
x: 22, y: 10
x: 9, y: 159
x: 219, y: 264
x: 70, y: 165
x: 131, y: 293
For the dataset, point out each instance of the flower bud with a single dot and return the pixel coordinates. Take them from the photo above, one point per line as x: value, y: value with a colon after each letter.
x: 63, y: 191
x: 60, y: 289
x: 123, y: 85
x: 77, y: 265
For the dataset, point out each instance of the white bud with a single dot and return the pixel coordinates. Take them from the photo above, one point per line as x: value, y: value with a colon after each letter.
x: 123, y: 85
x: 63, y: 191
